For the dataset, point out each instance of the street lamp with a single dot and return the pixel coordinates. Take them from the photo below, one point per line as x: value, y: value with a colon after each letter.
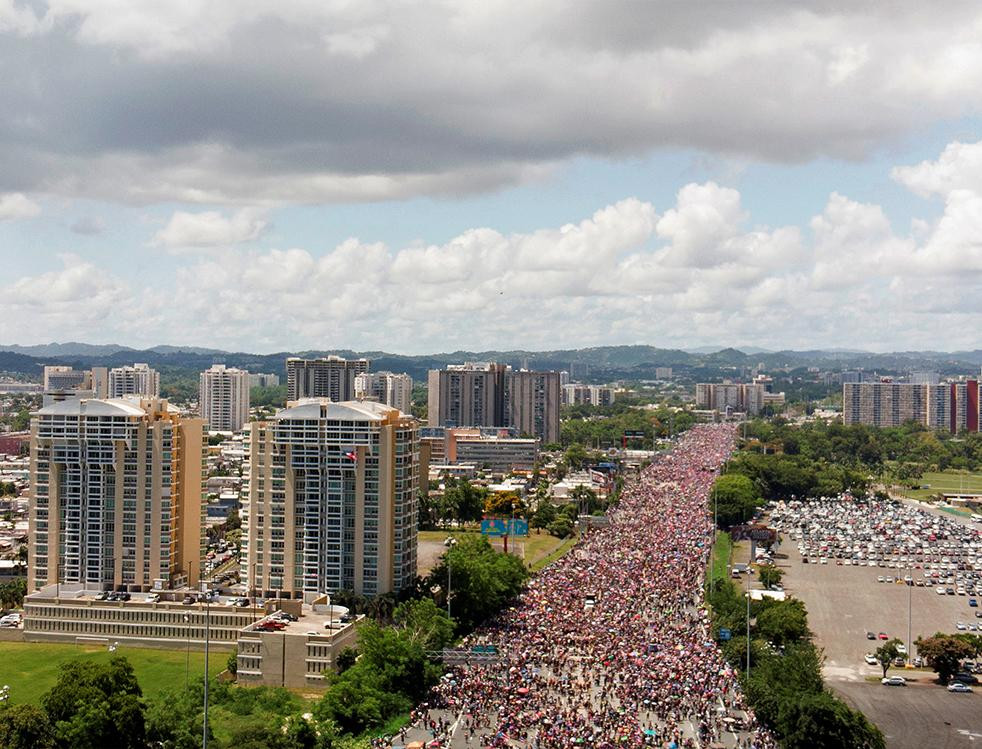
x: 187, y: 659
x: 204, y: 730
x: 450, y: 542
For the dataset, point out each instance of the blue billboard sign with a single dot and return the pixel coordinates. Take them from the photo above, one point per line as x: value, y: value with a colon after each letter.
x: 725, y: 634
x: 494, y: 527
x: 518, y: 527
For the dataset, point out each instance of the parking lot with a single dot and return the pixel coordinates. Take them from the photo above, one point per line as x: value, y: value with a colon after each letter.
x: 844, y: 603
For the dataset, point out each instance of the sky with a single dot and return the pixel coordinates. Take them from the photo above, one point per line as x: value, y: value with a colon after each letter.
x: 431, y: 176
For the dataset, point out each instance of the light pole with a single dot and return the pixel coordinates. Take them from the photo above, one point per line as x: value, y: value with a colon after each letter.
x: 450, y: 542
x: 910, y: 584
x: 204, y: 730
x: 187, y: 658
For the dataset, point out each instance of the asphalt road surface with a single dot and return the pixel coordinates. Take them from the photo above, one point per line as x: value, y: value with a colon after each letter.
x: 843, y: 604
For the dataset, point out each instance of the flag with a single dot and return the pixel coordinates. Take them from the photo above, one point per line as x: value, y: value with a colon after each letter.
x: 351, y: 455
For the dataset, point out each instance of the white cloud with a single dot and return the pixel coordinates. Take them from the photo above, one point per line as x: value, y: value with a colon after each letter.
x: 15, y: 205
x: 958, y: 167
x: 211, y: 229
x: 697, y: 271
x: 316, y: 101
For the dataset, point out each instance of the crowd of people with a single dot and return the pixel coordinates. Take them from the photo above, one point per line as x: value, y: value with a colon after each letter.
x: 611, y: 645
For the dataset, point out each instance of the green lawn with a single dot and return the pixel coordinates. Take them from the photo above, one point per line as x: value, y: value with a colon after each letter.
x: 540, y: 548
x: 720, y: 558
x: 947, y: 481
x: 32, y: 668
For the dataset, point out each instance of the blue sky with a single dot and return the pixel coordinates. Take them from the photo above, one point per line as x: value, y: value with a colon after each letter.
x: 237, y: 175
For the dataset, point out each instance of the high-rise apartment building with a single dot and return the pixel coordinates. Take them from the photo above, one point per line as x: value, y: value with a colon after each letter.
x: 115, y: 495
x: 394, y: 390
x: 470, y: 394
x: 65, y: 380
x: 575, y: 394
x: 741, y: 397
x: 331, y: 500
x: 223, y: 398
x: 532, y: 403
x: 329, y: 377
x: 485, y: 394
x: 889, y: 404
x: 139, y: 379
x: 263, y: 380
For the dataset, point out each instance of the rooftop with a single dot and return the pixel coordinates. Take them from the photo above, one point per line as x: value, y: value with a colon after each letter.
x: 324, y: 408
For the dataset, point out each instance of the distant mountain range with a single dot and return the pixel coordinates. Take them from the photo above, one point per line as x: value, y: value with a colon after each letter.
x: 594, y: 364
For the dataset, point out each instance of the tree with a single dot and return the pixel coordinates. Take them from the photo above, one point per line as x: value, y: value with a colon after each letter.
x: 544, y: 514
x: 944, y: 654
x: 584, y: 498
x: 346, y: 659
x: 782, y: 622
x: 25, y: 727
x: 232, y: 664
x: 483, y: 580
x: 769, y: 576
x: 735, y: 499
x: 504, y: 504
x: 973, y: 641
x: 821, y: 721
x: 424, y: 623
x: 886, y: 653
x: 94, y: 705
x: 561, y: 527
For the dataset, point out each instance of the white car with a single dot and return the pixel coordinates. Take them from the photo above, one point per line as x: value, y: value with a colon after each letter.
x: 902, y: 649
x: 871, y: 659
x: 957, y: 686
x: 939, y: 590
x: 894, y: 681
x: 961, y: 626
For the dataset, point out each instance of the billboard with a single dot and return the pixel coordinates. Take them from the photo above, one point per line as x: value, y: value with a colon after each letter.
x: 504, y: 527
x: 494, y: 527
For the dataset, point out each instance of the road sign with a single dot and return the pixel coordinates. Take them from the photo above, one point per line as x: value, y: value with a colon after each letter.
x: 725, y: 634
x: 518, y: 527
x: 495, y: 527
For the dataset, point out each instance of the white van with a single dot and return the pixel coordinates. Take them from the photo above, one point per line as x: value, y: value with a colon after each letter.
x: 10, y: 620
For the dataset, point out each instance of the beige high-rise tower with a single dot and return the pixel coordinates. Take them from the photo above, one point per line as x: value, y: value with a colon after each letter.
x: 223, y: 398
x: 332, y: 500
x: 115, y: 495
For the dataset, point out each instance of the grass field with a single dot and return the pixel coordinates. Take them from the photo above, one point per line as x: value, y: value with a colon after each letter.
x: 31, y: 669
x: 947, y: 481
x: 540, y: 548
x: 720, y: 557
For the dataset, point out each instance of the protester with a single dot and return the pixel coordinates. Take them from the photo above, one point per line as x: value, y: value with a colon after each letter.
x: 636, y: 668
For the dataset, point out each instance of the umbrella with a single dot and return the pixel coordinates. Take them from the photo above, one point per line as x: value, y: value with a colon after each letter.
x: 415, y: 745
x: 523, y: 690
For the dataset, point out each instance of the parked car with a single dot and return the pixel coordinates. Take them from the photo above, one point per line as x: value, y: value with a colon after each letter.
x: 965, y: 678
x: 870, y: 635
x: 871, y: 659
x: 894, y: 681
x: 957, y: 686
x: 883, y: 636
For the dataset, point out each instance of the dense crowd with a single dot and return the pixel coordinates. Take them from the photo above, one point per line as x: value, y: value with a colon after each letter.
x: 611, y: 646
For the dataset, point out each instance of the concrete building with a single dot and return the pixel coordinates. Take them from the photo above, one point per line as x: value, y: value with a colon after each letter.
x: 303, y: 654
x: 486, y: 394
x: 67, y: 381
x: 57, y: 377
x: 115, y: 497
x: 737, y: 397
x: 532, y: 403
x: 470, y: 394
x: 499, y: 453
x: 263, y: 380
x: 332, y: 501
x: 394, y: 390
x: 576, y: 394
x: 663, y: 373
x: 329, y: 377
x: 139, y: 380
x: 223, y: 398
x: 890, y: 404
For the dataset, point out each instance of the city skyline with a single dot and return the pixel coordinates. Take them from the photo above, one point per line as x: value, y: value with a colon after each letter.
x: 670, y: 197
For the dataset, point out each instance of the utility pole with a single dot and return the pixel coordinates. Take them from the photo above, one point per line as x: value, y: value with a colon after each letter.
x: 204, y: 729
